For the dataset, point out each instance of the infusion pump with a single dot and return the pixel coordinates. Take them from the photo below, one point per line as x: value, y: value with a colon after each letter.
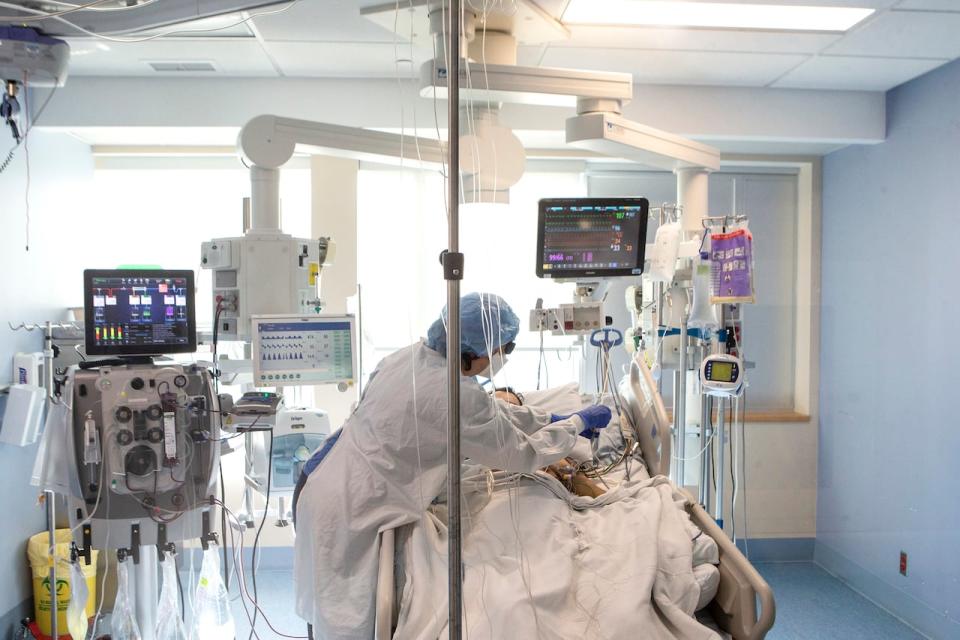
x: 262, y: 273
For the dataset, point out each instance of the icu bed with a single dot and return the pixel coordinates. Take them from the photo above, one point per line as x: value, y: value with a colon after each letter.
x: 738, y: 591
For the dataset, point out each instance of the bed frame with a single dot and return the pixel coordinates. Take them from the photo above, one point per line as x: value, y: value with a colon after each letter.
x: 734, y: 608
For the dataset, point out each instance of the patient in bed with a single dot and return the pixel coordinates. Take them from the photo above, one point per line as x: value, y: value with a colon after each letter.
x: 565, y: 470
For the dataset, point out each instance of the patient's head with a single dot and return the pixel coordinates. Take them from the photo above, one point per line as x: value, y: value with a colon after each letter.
x: 509, y: 396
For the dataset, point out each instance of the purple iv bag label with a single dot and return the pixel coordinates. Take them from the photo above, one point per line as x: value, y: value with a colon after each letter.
x: 731, y: 262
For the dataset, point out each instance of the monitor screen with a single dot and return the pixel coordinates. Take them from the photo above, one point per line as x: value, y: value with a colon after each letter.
x: 302, y: 349
x: 591, y: 237
x: 139, y: 312
x: 721, y: 372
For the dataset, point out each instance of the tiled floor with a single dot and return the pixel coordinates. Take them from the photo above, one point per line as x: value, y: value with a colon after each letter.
x: 811, y: 605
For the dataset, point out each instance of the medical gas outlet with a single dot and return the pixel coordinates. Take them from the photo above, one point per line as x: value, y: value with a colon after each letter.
x: 570, y: 319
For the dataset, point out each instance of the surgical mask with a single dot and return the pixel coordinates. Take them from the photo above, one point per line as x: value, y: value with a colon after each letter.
x: 497, y: 363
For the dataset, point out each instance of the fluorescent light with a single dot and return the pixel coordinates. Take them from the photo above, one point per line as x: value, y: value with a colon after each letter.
x: 661, y: 13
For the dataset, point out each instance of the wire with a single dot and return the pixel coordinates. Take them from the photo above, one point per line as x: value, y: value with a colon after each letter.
x: 139, y: 5
x: 183, y: 607
x: 256, y: 539
x: 238, y: 560
x: 26, y: 155
x: 43, y: 15
x: 33, y: 121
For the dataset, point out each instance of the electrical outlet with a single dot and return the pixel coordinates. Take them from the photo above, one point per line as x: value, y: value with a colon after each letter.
x: 903, y: 563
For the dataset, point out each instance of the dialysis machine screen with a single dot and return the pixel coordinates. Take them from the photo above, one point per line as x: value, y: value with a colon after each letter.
x: 588, y: 237
x: 139, y: 312
x: 302, y: 349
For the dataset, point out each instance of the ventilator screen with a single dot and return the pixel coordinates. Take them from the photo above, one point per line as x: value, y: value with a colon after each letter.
x: 591, y: 237
x: 139, y: 312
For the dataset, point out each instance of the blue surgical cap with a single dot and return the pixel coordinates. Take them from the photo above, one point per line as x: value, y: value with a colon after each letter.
x: 484, y: 318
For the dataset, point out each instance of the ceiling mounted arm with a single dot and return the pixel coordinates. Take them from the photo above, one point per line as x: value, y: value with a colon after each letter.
x: 270, y: 141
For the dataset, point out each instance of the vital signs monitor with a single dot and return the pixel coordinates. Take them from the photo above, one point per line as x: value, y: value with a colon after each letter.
x: 591, y: 237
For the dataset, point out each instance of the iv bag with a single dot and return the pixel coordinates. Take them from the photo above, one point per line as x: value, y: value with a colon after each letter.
x: 77, y: 607
x: 169, y: 623
x: 123, y: 622
x: 212, y: 619
x: 731, y: 257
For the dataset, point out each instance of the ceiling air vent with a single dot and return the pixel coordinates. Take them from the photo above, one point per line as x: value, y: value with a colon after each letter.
x: 180, y: 66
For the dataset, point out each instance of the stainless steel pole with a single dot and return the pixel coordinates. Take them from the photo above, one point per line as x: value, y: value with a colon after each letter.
x: 705, y: 433
x: 721, y: 446
x: 453, y: 272
x: 49, y: 496
x: 680, y: 415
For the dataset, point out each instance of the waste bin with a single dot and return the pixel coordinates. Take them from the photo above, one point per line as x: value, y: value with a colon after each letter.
x: 38, y: 552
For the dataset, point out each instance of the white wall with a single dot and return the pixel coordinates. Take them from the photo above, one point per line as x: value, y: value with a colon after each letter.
x: 36, y: 285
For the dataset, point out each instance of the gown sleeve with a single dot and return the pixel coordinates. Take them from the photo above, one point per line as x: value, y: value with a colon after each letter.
x: 511, y: 438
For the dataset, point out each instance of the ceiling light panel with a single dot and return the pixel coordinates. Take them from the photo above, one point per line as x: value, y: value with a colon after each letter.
x: 722, y: 15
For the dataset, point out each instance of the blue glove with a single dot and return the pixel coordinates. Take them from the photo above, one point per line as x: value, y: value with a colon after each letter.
x: 594, y: 417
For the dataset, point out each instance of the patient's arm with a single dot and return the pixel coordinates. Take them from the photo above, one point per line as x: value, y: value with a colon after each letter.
x: 566, y: 472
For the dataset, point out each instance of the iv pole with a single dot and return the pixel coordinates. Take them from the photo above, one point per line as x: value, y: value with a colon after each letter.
x: 452, y: 261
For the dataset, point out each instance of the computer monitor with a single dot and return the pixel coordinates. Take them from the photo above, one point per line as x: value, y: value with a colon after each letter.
x: 131, y: 312
x: 292, y: 350
x: 591, y: 237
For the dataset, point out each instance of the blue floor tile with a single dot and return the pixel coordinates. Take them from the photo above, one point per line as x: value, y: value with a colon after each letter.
x: 275, y: 589
x: 813, y: 605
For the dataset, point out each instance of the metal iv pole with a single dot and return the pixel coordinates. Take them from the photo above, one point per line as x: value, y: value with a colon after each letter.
x: 452, y: 261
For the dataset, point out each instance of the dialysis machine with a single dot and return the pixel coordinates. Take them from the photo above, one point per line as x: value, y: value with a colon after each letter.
x: 146, y: 435
x: 133, y: 442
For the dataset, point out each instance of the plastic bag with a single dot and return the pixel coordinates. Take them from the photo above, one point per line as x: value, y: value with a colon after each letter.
x: 77, y: 621
x: 169, y: 623
x: 123, y: 622
x: 212, y: 619
x: 55, y: 467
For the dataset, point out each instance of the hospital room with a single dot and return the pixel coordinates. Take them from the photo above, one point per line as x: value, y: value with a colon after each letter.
x: 479, y: 319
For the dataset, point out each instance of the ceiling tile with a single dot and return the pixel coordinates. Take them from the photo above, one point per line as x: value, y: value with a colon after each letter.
x: 343, y: 59
x: 904, y: 34
x: 323, y: 21
x: 233, y: 57
x: 698, y: 39
x: 930, y: 5
x: 861, y: 74
x: 677, y: 67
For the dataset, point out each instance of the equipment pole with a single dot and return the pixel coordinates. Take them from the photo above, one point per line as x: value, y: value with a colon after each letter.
x: 453, y: 273
x: 49, y: 496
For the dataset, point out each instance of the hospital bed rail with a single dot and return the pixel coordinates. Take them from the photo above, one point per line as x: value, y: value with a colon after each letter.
x: 734, y: 608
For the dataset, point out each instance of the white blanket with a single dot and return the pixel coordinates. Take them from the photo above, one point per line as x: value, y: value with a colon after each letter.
x: 540, y: 563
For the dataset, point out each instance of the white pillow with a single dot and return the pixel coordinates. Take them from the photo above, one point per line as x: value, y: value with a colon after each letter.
x: 562, y: 400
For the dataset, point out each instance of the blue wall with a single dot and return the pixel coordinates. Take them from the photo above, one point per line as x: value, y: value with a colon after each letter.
x: 889, y: 432
x: 34, y: 286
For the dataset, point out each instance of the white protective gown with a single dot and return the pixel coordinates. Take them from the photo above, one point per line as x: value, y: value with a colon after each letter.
x: 386, y: 469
